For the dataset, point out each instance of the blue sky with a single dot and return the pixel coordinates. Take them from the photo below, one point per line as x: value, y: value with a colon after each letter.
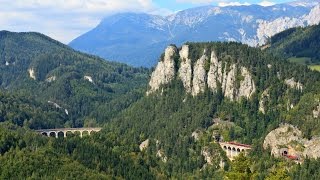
x: 65, y: 20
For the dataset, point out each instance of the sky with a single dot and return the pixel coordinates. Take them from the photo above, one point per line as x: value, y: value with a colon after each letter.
x: 65, y: 20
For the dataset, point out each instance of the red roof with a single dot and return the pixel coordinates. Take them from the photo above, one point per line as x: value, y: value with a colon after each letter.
x: 239, y: 144
x: 292, y: 157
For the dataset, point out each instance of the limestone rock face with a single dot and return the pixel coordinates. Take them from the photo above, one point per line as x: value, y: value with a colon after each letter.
x: 293, y: 84
x: 88, y: 78
x: 264, y: 97
x: 316, y: 112
x: 287, y: 136
x: 164, y: 72
x: 229, y: 86
x: 312, y: 148
x: 144, y: 145
x: 211, y: 156
x: 247, y: 86
x: 185, y: 71
x: 162, y: 156
x: 199, y: 76
x: 205, y: 72
x: 214, y: 74
x: 281, y: 137
x: 51, y: 79
x: 32, y: 73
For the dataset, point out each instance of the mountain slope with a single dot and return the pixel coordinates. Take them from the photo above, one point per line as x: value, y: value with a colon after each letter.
x: 249, y: 91
x: 38, y: 67
x: 139, y: 39
x: 298, y: 43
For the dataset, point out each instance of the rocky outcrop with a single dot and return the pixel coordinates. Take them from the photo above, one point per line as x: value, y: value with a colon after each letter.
x: 290, y: 137
x: 51, y: 79
x: 214, y: 74
x: 235, y: 81
x: 316, y: 112
x: 199, y: 76
x: 55, y: 104
x: 185, y: 71
x: 196, y: 135
x: 160, y: 154
x: 263, y: 98
x: 32, y: 73
x: 88, y: 78
x: 164, y: 72
x: 247, y: 86
x: 144, y: 145
x: 269, y: 28
x: 293, y: 84
x: 228, y: 85
x: 212, y: 157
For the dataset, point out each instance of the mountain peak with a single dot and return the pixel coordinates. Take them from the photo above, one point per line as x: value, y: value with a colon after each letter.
x: 304, y: 3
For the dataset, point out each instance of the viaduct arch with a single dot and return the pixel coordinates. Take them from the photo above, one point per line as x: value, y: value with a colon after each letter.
x: 233, y: 149
x: 63, y: 131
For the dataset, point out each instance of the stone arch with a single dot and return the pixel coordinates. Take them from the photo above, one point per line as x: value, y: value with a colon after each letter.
x: 242, y: 150
x: 44, y: 133
x: 233, y: 149
x: 225, y: 147
x: 229, y: 148
x: 93, y: 132
x: 68, y: 133
x: 60, y: 134
x: 77, y: 133
x: 238, y: 150
x: 52, y: 134
x: 85, y: 133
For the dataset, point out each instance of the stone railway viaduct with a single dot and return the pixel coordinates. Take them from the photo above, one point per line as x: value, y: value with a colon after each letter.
x: 233, y: 149
x: 62, y: 132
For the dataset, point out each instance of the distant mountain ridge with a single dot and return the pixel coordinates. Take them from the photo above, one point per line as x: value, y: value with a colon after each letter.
x: 297, y: 43
x: 139, y: 39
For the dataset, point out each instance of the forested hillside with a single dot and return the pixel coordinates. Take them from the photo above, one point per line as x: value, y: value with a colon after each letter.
x: 86, y: 88
x: 27, y: 155
x: 299, y: 44
x: 170, y: 116
x: 197, y: 94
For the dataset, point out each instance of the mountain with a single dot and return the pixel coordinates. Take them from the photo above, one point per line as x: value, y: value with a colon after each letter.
x: 138, y: 39
x: 198, y: 94
x: 297, y: 44
x: 37, y: 67
x: 201, y: 91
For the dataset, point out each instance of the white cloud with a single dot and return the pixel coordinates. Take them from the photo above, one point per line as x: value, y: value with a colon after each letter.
x: 223, y: 4
x: 65, y: 20
x: 266, y: 3
x: 196, y: 1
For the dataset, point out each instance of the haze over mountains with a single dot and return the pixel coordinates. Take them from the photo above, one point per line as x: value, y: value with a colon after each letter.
x: 139, y: 39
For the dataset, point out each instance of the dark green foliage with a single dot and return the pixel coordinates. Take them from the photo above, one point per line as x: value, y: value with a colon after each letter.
x: 21, y: 52
x: 25, y: 154
x: 167, y: 117
x: 298, y: 42
x: 27, y: 112
x: 171, y: 115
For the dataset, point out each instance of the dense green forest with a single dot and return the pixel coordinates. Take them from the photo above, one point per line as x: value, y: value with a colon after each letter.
x: 301, y: 45
x: 116, y: 100
x: 171, y: 116
x: 82, y: 84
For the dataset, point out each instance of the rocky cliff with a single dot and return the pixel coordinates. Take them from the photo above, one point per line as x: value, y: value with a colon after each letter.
x: 164, y: 72
x: 208, y: 71
x: 290, y: 138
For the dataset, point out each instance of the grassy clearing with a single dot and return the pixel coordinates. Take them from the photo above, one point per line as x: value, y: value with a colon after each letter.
x: 315, y: 67
x: 300, y: 60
